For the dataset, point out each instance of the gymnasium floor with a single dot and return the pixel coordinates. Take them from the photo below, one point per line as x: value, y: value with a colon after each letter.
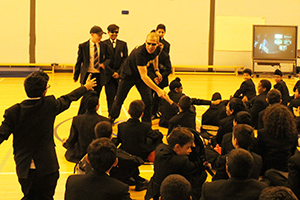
x: 12, y: 91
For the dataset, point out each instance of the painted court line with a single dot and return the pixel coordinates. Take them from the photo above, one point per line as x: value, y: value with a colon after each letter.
x: 9, y: 152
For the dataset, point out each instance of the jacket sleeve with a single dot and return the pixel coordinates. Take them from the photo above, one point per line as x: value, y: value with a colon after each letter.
x: 107, y: 54
x: 64, y: 102
x: 241, y: 90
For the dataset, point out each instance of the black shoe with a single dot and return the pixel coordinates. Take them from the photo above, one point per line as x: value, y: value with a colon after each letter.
x: 140, y: 186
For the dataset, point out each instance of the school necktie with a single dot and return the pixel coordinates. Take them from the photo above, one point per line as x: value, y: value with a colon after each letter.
x: 96, y: 57
x: 114, y: 44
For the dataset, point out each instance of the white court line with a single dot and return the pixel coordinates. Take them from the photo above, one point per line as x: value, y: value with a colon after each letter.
x: 1, y: 79
x: 126, y: 113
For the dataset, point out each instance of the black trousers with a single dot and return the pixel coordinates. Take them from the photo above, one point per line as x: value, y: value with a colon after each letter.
x: 124, y: 87
x: 111, y: 88
x: 98, y: 88
x: 36, y: 187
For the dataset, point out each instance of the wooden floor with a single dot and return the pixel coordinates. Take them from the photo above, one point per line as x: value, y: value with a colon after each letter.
x: 12, y: 91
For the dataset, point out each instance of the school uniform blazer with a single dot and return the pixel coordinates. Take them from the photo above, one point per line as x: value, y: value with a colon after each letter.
x: 294, y: 173
x: 133, y: 137
x: 233, y: 188
x: 275, y: 152
x: 168, y: 162
x: 183, y: 119
x: 118, y: 56
x: 165, y: 69
x: 281, y: 86
x: 225, y: 126
x: 257, y: 104
x: 81, y: 135
x: 31, y: 123
x: 83, y: 61
x: 247, y: 88
x: 95, y: 186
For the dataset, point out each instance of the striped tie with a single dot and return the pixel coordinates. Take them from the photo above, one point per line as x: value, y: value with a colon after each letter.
x: 96, y: 57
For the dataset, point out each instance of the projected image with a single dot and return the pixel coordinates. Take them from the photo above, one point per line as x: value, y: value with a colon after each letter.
x: 274, y: 42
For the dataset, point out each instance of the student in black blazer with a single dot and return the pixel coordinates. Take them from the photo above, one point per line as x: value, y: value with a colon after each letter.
x: 259, y: 103
x: 87, y: 63
x: 238, y: 186
x: 281, y: 86
x: 82, y: 129
x: 98, y: 185
x: 161, y: 31
x: 31, y: 123
x: 119, y: 52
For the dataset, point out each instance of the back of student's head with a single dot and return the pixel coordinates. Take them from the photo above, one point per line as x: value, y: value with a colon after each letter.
x: 274, y: 96
x: 36, y: 83
x: 243, y: 117
x: 102, y: 154
x: 136, y: 108
x: 240, y: 163
x: 103, y: 129
x: 277, y: 193
x: 247, y: 71
x: 175, y: 84
x: 91, y: 100
x: 266, y: 84
x: 175, y: 187
x: 237, y: 105
x: 184, y: 103
x: 181, y: 136
x: 243, y: 133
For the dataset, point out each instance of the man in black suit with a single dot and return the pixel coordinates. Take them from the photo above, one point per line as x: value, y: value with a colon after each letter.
x: 119, y: 52
x: 98, y: 185
x: 93, y: 57
x: 259, y: 103
x: 82, y: 129
x: 31, y: 123
x: 238, y: 186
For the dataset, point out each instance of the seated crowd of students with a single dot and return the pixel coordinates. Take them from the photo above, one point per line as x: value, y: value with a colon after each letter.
x: 257, y: 134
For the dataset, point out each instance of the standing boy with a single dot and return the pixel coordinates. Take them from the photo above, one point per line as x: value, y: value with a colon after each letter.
x: 161, y: 31
x: 119, y: 52
x: 31, y: 123
x: 92, y: 59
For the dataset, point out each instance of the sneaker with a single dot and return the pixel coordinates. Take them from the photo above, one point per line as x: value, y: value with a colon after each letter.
x: 140, y: 186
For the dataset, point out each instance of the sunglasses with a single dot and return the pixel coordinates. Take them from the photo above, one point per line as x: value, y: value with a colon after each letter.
x: 153, y: 44
x: 115, y: 32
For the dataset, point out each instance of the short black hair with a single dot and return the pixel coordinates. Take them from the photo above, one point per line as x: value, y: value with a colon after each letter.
x: 161, y: 26
x: 240, y: 163
x: 113, y: 27
x: 136, y: 109
x: 181, y: 136
x: 278, y: 72
x: 103, y: 129
x: 184, y: 103
x: 175, y: 187
x: 91, y: 100
x: 247, y: 71
x: 266, y: 84
x: 243, y: 117
x: 102, y: 154
x: 237, y: 105
x: 36, y: 83
x: 175, y: 84
x: 244, y: 135
x: 274, y: 96
x: 277, y: 193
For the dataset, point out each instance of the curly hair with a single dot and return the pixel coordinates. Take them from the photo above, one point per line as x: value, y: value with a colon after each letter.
x: 279, y: 121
